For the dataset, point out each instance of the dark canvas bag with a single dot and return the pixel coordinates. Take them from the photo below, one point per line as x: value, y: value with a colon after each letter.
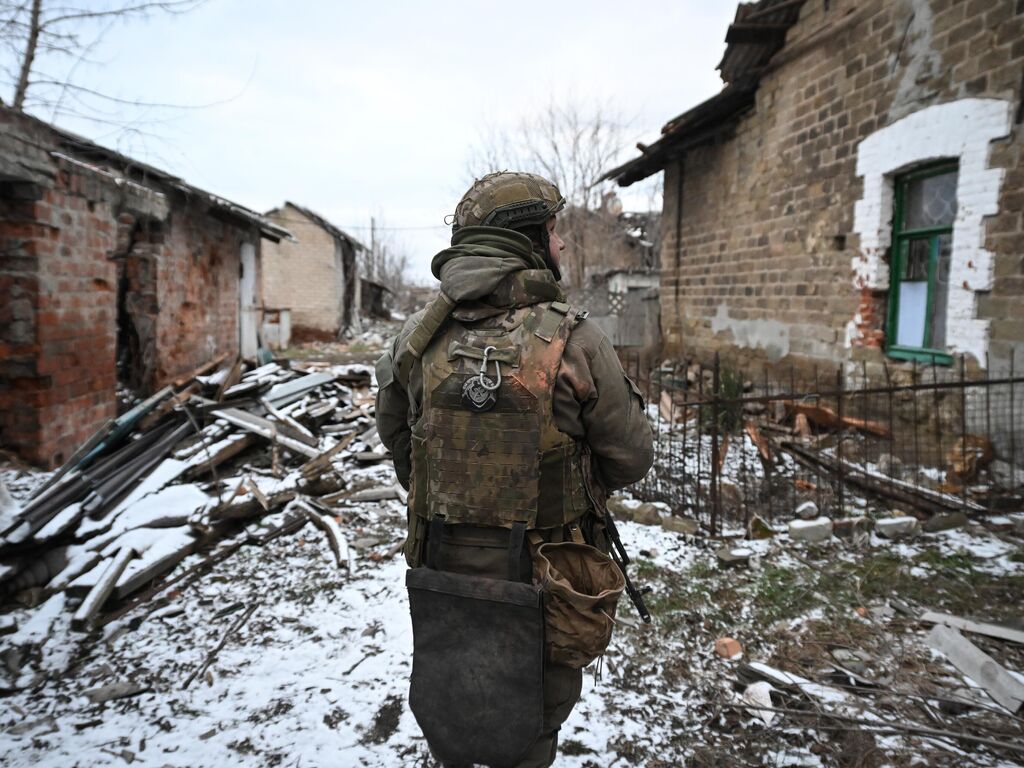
x: 478, y: 665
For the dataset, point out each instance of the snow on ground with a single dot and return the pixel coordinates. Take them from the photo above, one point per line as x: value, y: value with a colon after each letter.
x: 317, y: 675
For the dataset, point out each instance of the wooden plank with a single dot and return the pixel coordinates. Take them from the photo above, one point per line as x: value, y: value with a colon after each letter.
x: 265, y: 429
x: 339, y: 544
x: 997, y: 631
x: 322, y: 461
x: 213, y: 456
x: 1005, y: 689
x: 758, y: 440
x: 826, y: 417
x: 90, y: 607
x: 184, y: 378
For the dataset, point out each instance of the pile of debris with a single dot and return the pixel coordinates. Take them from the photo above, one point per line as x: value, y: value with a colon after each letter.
x: 187, y: 471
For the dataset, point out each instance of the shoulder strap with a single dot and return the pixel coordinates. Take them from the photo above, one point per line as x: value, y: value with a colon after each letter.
x: 437, y: 312
x: 551, y: 319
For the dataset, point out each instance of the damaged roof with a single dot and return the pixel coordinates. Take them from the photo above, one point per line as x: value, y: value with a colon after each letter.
x: 327, y: 226
x: 72, y: 146
x: 757, y: 33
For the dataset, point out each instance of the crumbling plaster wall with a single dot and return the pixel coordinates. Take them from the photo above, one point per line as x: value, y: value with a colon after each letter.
x: 761, y: 269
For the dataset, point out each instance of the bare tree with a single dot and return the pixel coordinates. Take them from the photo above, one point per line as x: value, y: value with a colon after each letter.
x: 45, y: 41
x: 573, y: 146
x: 386, y: 261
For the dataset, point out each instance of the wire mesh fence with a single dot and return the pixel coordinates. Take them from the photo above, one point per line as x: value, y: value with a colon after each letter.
x: 918, y: 439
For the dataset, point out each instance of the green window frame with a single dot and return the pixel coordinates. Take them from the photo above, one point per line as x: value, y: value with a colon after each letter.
x: 912, y: 250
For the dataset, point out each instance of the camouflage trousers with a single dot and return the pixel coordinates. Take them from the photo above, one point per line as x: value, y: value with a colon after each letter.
x: 484, y: 552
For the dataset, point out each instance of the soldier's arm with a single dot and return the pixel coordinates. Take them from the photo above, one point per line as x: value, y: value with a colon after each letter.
x: 392, y: 414
x: 596, y: 402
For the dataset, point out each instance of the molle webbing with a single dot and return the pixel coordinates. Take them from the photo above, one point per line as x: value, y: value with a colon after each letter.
x: 510, y: 463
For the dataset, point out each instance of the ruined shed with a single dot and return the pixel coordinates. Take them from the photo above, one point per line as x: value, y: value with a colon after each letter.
x: 113, y: 274
x: 853, y: 194
x: 315, y: 276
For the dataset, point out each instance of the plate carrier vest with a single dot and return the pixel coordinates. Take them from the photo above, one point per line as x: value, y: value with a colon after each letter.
x: 510, y: 463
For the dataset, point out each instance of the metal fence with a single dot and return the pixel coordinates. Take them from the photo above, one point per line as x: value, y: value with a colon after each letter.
x: 918, y: 439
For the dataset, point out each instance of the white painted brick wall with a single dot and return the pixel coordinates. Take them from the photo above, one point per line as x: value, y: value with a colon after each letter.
x: 960, y: 130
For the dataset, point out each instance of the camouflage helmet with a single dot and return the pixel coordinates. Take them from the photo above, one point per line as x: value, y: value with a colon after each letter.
x: 508, y: 199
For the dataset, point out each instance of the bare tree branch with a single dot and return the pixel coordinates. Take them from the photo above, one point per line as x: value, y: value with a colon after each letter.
x: 45, y: 29
x: 30, y: 56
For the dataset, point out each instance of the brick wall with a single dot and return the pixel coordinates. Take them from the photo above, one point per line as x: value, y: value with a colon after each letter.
x: 304, y: 276
x: 197, y: 290
x: 762, y: 267
x: 66, y: 243
x: 58, y: 375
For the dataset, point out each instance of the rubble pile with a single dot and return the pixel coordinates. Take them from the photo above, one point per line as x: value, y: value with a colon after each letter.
x: 192, y: 470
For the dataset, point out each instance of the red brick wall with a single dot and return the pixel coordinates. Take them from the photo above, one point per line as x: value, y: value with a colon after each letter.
x: 58, y: 378
x: 59, y: 297
x: 197, y: 291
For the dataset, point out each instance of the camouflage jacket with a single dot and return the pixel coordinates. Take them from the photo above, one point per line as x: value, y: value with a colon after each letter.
x: 491, y: 272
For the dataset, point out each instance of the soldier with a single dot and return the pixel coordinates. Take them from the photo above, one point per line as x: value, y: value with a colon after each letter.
x: 506, y: 409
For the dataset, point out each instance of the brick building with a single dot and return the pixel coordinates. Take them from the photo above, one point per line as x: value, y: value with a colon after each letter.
x: 854, y: 194
x: 315, y: 276
x: 111, y: 273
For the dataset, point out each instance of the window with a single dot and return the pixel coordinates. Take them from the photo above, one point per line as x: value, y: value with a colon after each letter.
x: 922, y: 240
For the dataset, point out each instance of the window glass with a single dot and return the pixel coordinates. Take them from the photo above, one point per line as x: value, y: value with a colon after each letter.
x: 940, y: 294
x: 931, y: 201
x: 913, y: 314
x: 915, y: 260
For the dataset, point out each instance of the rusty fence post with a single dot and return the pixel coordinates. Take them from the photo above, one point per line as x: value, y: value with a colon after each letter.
x: 839, y: 443
x: 1013, y: 421
x: 716, y: 502
x: 700, y: 440
x: 937, y: 400
x: 963, y: 429
x: 768, y: 403
x: 913, y: 408
x: 892, y: 430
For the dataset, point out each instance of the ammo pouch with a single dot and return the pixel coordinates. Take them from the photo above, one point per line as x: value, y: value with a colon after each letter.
x: 478, y: 664
x: 582, y: 586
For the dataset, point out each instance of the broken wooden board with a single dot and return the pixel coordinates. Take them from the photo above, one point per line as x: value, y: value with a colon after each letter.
x: 997, y: 631
x: 759, y: 441
x: 265, y: 429
x: 879, y: 484
x: 322, y: 462
x: 212, y: 456
x: 90, y: 607
x: 826, y: 417
x: 973, y: 662
x: 339, y: 544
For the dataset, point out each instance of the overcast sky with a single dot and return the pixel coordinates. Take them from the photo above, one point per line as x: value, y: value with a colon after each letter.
x: 362, y: 108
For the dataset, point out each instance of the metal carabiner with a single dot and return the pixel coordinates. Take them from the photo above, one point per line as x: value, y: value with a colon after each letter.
x: 485, y: 382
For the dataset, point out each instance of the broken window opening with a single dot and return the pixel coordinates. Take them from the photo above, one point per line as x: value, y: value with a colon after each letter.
x: 922, y: 244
